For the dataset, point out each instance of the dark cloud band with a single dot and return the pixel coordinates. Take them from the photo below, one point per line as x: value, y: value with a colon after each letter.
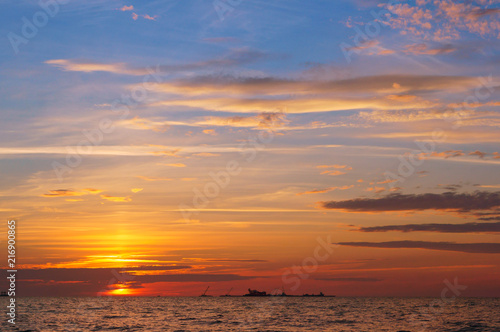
x: 464, y: 202
x: 476, y: 248
x: 471, y: 227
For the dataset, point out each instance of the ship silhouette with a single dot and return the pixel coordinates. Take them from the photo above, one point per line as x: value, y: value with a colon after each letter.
x: 253, y: 292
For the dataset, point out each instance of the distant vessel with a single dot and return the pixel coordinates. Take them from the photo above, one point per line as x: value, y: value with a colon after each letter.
x: 320, y: 294
x: 205, y: 293
x: 227, y: 294
x: 282, y: 292
x: 3, y: 294
x: 253, y: 292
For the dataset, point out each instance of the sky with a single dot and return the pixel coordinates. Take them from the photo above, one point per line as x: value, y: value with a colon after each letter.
x: 160, y: 147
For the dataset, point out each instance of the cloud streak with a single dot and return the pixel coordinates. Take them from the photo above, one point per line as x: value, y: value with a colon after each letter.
x: 116, y: 198
x: 472, y: 227
x: 70, y: 192
x: 236, y: 57
x: 476, y: 248
x: 463, y: 202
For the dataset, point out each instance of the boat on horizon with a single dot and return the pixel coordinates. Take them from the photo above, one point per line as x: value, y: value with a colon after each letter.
x: 205, y: 293
x: 253, y: 292
x: 227, y: 294
x: 314, y: 295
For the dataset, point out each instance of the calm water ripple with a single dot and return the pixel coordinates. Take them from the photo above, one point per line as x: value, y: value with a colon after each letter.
x: 254, y: 314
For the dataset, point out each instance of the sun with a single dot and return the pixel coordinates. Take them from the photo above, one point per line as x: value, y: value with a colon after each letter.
x: 121, y: 292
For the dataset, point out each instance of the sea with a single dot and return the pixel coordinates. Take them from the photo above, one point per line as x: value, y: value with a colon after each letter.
x: 253, y: 314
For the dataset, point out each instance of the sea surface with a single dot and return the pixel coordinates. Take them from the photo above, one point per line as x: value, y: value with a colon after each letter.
x: 253, y: 314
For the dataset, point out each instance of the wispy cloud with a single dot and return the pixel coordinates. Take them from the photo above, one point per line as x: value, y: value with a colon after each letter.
x: 116, y: 198
x: 443, y: 19
x: 350, y: 279
x: 451, y: 201
x: 210, y: 132
x: 233, y: 58
x: 472, y: 227
x: 253, y: 95
x: 176, y: 165
x: 147, y: 178
x: 127, y: 8
x: 476, y: 248
x: 69, y: 192
x: 262, y: 120
x: 322, y: 191
x: 206, y: 154
x: 272, y: 86
x: 334, y: 170
x: 148, y: 17
x: 88, y: 67
x: 423, y: 48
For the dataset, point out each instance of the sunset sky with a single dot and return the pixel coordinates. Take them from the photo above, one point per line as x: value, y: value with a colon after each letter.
x: 160, y: 147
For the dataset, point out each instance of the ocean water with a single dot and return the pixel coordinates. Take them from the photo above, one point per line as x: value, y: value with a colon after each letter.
x: 254, y: 314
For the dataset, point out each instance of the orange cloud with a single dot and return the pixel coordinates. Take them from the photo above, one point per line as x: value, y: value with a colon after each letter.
x: 335, y: 166
x: 171, y: 153
x: 88, y: 67
x: 406, y: 98
x: 337, y: 172
x: 386, y: 52
x: 425, y: 49
x: 262, y: 120
x: 147, y: 17
x: 451, y: 136
x: 210, y: 132
x: 376, y: 189
x: 93, y: 191
x: 443, y: 19
x: 379, y: 116
x: 176, y: 165
x: 136, y: 190
x: 295, y: 106
x: 138, y: 123
x: 333, y: 173
x: 248, y: 95
x: 363, y: 45
x: 145, y: 178
x: 387, y: 181
x: 206, y: 154
x: 478, y: 153
x: 237, y: 88
x: 69, y: 192
x: 116, y: 199
x: 321, y: 191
